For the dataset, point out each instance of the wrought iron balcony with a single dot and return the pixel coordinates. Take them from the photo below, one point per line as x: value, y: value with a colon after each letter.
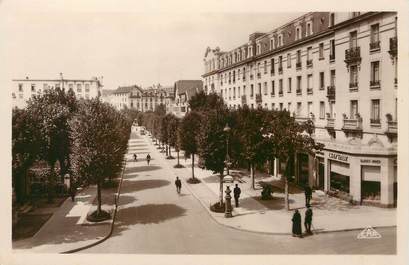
x: 331, y: 92
x: 393, y: 46
x: 243, y: 99
x: 259, y: 98
x: 298, y: 92
x: 298, y: 65
x: 375, y: 121
x: 332, y: 57
x: 302, y: 119
x: 272, y: 72
x: 309, y: 91
x: 392, y: 129
x: 330, y: 122
x: 280, y: 70
x: 280, y: 93
x: 353, y: 55
x: 375, y: 83
x: 352, y: 124
x: 258, y: 75
x: 353, y: 85
x: 374, y: 45
x: 309, y: 63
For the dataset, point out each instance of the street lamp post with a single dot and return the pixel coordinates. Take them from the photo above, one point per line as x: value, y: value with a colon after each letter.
x: 227, y: 161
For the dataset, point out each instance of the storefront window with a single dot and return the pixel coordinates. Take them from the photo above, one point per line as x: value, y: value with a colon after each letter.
x: 339, y: 182
x: 371, y: 190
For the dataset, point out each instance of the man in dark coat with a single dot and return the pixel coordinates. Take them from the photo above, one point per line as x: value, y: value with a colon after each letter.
x: 297, y: 230
x: 148, y: 158
x: 237, y: 192
x: 308, y: 220
x: 73, y: 190
x: 308, y: 195
x: 135, y: 157
x: 178, y: 184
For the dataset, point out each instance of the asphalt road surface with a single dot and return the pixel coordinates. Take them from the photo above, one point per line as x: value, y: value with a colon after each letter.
x: 154, y: 219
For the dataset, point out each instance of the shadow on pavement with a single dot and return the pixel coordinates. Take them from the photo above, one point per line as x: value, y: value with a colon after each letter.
x: 277, y: 203
x: 146, y: 214
x: 212, y: 179
x: 131, y: 170
x: 134, y: 186
x: 126, y: 199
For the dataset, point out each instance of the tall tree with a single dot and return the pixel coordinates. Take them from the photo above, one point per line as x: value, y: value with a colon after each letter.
x: 284, y: 137
x: 172, y: 131
x: 213, y: 145
x: 202, y: 103
x: 249, y: 135
x: 190, y: 128
x: 99, y: 138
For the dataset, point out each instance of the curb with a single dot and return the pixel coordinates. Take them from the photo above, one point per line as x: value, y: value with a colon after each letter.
x: 112, y: 223
x: 267, y: 233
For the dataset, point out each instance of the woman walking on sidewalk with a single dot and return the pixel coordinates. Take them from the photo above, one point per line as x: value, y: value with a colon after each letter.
x: 178, y: 184
x: 297, y: 230
x: 148, y: 159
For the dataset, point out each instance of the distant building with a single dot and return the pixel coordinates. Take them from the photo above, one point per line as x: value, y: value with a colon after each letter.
x: 107, y: 95
x: 123, y: 97
x: 183, y: 91
x: 24, y: 89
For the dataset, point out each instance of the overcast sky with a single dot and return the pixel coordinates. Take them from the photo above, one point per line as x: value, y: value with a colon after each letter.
x: 125, y: 48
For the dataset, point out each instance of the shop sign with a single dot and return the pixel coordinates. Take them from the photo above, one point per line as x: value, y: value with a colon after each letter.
x: 339, y: 157
x: 371, y: 161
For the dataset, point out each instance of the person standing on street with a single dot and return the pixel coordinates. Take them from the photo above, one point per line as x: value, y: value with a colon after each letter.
x: 237, y: 192
x: 73, y: 190
x: 178, y: 184
x: 148, y: 158
x: 308, y: 220
x: 135, y: 157
x: 308, y: 195
x: 297, y: 230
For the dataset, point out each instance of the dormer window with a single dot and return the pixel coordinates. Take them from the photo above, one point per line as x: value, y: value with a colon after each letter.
x: 280, y: 40
x: 309, y: 29
x: 298, y: 33
x: 272, y: 44
x: 258, y: 49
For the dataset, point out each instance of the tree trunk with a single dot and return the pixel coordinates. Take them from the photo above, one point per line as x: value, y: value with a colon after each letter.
x: 287, y: 203
x: 99, y: 198
x: 193, y: 166
x: 178, y: 158
x: 221, y: 189
x: 252, y: 176
x: 51, y: 185
x: 170, y: 151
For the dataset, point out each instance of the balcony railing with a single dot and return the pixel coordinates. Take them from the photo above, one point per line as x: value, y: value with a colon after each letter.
x: 302, y: 119
x: 309, y: 91
x: 259, y: 98
x: 392, y: 129
x: 353, y: 55
x: 309, y: 63
x: 272, y: 72
x: 393, y: 46
x: 330, y: 122
x: 374, y: 45
x: 243, y: 99
x: 280, y: 70
x: 331, y: 92
x: 375, y: 121
x: 298, y: 65
x: 280, y: 93
x: 244, y: 78
x: 258, y: 75
x: 353, y: 85
x: 298, y: 91
x: 251, y: 77
x: 332, y: 57
x: 375, y: 83
x: 352, y: 124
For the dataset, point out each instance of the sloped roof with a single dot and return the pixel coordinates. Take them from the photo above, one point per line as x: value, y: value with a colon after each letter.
x: 107, y: 92
x: 126, y: 89
x: 189, y: 87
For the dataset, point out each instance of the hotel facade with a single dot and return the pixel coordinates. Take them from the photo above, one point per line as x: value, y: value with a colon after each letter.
x: 24, y: 89
x: 338, y: 70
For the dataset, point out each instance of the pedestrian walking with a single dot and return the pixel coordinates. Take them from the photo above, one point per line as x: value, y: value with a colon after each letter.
x: 308, y: 195
x: 135, y: 157
x: 308, y: 220
x: 236, y: 193
x: 73, y: 190
x: 178, y: 184
x: 148, y: 158
x: 297, y: 230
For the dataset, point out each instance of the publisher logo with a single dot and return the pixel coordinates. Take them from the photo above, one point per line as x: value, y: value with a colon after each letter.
x: 368, y: 233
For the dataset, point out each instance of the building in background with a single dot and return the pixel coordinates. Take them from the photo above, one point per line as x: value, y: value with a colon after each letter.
x: 123, y: 97
x: 338, y: 70
x: 24, y: 89
x: 183, y: 91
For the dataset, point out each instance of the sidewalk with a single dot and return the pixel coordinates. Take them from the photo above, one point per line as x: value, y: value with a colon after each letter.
x: 271, y: 217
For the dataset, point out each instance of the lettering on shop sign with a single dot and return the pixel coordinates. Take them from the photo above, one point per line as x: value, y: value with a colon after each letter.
x: 370, y: 161
x: 338, y: 157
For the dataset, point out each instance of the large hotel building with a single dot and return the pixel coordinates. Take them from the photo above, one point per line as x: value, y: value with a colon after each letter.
x: 340, y: 71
